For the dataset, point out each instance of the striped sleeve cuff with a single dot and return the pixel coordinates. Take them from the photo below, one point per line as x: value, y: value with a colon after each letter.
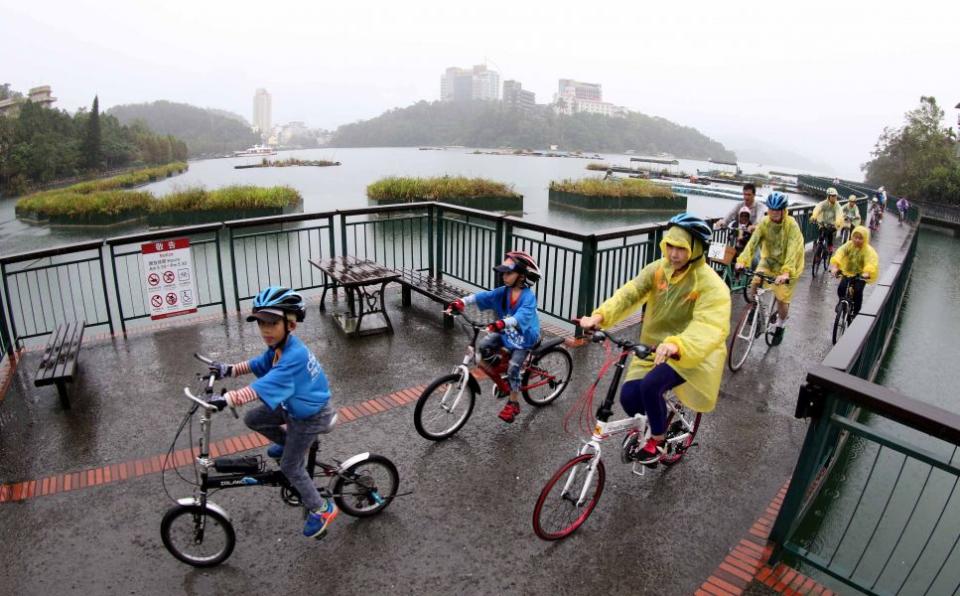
x: 241, y: 396
x: 241, y: 368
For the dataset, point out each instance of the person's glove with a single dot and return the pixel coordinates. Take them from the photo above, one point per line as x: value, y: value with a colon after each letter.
x: 218, y: 401
x: 220, y: 370
x: 496, y: 326
x: 456, y: 306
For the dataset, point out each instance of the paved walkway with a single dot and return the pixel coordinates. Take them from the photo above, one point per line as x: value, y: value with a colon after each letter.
x: 82, y: 497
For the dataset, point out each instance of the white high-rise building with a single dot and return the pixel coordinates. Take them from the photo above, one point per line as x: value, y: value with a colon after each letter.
x: 262, y: 112
x: 466, y: 84
x: 575, y: 97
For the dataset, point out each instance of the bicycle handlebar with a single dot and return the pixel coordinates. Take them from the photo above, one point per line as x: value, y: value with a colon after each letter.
x: 639, y: 350
x: 767, y: 278
x: 466, y: 317
x: 210, y: 378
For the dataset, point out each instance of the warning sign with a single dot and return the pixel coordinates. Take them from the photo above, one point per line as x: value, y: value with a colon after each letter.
x: 168, y: 269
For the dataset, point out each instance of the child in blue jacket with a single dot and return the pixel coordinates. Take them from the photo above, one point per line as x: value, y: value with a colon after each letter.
x: 292, y: 392
x: 518, y: 325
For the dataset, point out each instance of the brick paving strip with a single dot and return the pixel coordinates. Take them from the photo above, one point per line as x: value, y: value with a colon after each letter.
x: 113, y: 473
x: 745, y: 563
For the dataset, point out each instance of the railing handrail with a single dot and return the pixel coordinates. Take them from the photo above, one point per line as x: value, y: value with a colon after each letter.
x: 266, y: 220
x: 165, y: 233
x: 891, y: 404
x: 51, y: 252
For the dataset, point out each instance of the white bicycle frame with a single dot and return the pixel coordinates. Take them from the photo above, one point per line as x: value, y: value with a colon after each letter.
x: 604, y: 430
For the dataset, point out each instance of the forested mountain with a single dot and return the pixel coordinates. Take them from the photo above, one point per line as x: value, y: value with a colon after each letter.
x: 205, y: 131
x: 491, y: 124
x: 40, y: 145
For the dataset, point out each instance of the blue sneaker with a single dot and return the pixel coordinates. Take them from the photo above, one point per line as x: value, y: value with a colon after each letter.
x: 318, y: 520
x: 275, y: 451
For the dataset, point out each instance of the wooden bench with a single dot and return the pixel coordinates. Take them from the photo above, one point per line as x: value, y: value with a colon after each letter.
x: 59, y: 362
x: 435, y: 289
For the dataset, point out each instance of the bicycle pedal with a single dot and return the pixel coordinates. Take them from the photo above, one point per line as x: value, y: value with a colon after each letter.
x: 638, y: 469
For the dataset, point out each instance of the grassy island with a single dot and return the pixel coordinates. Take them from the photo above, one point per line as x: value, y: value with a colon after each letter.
x: 479, y: 193
x: 111, y: 201
x: 616, y: 194
x: 286, y: 163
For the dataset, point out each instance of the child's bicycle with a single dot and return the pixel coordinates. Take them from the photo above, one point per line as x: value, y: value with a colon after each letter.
x: 758, y: 319
x: 574, y: 490
x: 199, y: 532
x: 845, y: 312
x: 447, y: 402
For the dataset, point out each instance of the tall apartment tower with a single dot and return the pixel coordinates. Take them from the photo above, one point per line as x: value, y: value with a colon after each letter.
x: 465, y: 84
x: 262, y: 111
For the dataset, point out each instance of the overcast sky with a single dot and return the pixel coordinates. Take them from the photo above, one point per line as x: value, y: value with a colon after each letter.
x: 819, y: 78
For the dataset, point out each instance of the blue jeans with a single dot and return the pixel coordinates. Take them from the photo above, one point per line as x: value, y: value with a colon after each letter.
x: 645, y: 396
x: 489, y: 345
x: 296, y: 441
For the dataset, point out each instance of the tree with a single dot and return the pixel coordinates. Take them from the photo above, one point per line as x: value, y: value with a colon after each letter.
x: 918, y: 159
x: 92, y: 149
x: 6, y: 92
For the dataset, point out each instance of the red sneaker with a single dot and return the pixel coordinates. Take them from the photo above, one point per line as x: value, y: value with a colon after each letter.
x: 509, y: 411
x: 651, y: 452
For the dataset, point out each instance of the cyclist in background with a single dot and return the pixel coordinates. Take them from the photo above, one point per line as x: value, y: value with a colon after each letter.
x: 827, y: 215
x: 857, y: 261
x: 851, y: 218
x: 902, y: 206
x: 780, y: 242
x: 687, y: 317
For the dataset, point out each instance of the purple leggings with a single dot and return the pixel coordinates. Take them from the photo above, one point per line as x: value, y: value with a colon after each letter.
x: 645, y: 396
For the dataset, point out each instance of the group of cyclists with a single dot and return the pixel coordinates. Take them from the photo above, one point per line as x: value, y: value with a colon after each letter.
x: 687, y: 310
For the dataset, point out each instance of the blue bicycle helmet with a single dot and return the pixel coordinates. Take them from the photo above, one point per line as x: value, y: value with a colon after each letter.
x: 277, y: 302
x: 695, y: 226
x: 776, y: 201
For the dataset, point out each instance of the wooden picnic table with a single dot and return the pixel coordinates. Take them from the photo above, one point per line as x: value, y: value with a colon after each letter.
x: 364, y: 282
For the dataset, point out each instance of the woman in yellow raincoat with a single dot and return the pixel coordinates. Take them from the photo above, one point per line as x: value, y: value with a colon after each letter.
x: 780, y: 242
x: 687, y: 316
x: 856, y: 258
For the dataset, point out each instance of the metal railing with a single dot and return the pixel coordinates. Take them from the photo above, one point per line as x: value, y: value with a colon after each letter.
x: 43, y: 289
x: 447, y: 241
x: 267, y: 251
x: 870, y: 499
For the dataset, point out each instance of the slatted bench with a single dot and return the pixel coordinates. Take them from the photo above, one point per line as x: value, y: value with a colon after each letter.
x: 423, y: 283
x: 59, y: 362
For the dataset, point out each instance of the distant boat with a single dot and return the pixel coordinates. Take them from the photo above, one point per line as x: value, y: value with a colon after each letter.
x: 256, y: 150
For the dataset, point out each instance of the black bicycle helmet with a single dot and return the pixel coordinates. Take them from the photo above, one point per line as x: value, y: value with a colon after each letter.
x: 277, y: 302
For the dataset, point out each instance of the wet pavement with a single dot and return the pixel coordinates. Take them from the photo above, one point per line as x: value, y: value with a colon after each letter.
x: 466, y: 524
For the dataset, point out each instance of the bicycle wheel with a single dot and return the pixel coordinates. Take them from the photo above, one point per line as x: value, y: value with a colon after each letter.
x: 816, y: 258
x: 742, y: 339
x: 680, y: 434
x: 840, y: 322
x: 444, y: 407
x: 569, y: 498
x: 197, y: 536
x: 546, y: 377
x: 366, y: 487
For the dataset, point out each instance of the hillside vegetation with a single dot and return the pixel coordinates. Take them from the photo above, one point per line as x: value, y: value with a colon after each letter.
x: 491, y: 124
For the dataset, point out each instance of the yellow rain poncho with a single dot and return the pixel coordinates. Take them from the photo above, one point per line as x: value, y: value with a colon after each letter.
x: 690, y: 309
x: 852, y: 212
x: 828, y: 213
x: 781, y: 251
x: 855, y: 261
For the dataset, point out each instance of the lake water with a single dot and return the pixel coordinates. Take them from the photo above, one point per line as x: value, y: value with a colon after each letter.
x: 342, y: 187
